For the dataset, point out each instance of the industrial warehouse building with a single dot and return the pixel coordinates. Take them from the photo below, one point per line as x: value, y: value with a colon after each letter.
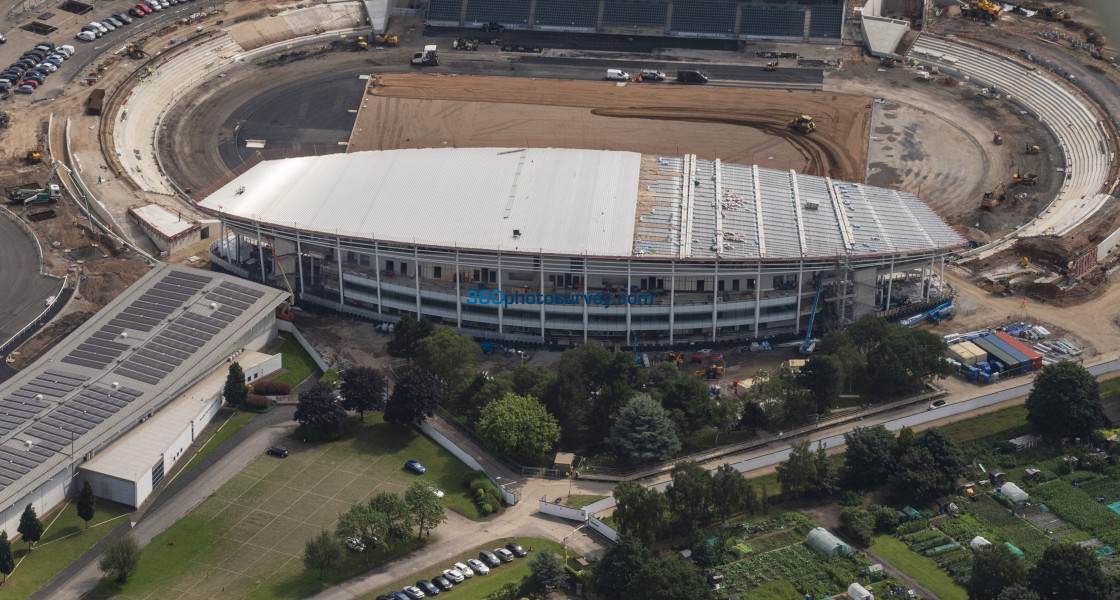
x: 792, y: 20
x: 564, y: 246
x: 136, y: 360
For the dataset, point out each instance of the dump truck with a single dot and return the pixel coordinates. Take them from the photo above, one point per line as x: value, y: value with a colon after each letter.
x: 428, y: 58
x: 803, y: 123
x: 96, y: 99
x: 1028, y: 179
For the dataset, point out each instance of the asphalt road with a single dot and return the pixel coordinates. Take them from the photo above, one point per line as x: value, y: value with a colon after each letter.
x: 23, y: 291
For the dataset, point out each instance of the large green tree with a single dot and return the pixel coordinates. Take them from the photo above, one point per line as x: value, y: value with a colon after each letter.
x: 681, y: 394
x: 994, y: 568
x: 905, y: 361
x: 363, y: 389
x: 398, y: 519
x: 30, y: 527
x: 321, y: 552
x: 318, y: 409
x: 591, y: 386
x: 449, y: 356
x: 86, y: 502
x: 732, y: 493
x: 1065, y: 401
x: 618, y: 567
x: 868, y: 331
x: 827, y: 481
x: 931, y: 465
x: 362, y: 522
x: 235, y: 391
x: 414, y: 398
x: 426, y: 507
x: 643, y: 431
x: 407, y: 335
x: 1069, y: 571
x: 797, y: 474
x: 7, y: 561
x: 640, y: 512
x: 548, y: 569
x: 518, y: 426
x: 823, y: 376
x: 870, y: 457
x: 670, y: 579
x: 858, y: 524
x: 1018, y: 591
x: 690, y: 494
x: 121, y: 556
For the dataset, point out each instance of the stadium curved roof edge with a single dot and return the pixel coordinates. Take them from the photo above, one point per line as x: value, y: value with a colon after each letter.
x: 580, y: 202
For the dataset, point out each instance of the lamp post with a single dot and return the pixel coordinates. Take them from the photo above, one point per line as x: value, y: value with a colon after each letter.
x: 572, y: 474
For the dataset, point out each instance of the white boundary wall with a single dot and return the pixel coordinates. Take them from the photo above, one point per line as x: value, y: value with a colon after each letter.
x: 289, y: 327
x: 469, y: 460
x: 564, y: 512
x: 1107, y: 245
x: 603, y: 528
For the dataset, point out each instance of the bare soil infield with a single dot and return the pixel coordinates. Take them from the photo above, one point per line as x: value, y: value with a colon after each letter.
x: 742, y: 125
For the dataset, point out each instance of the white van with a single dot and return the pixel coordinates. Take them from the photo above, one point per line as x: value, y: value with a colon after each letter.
x: 617, y: 75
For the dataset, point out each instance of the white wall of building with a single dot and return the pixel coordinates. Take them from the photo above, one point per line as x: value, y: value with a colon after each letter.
x: 112, y: 488
x: 46, y: 496
x: 271, y: 365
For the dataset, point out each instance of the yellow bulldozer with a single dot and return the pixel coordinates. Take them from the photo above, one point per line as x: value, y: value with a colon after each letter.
x: 983, y: 10
x: 803, y: 123
x: 33, y: 156
x: 1052, y: 14
x: 994, y: 197
x: 385, y: 40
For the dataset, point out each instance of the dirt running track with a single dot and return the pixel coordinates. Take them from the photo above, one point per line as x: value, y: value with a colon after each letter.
x: 742, y: 125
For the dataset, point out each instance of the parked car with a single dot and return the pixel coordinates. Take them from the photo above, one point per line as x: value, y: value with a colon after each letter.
x: 107, y: 24
x: 103, y: 29
x: 415, y: 467
x: 443, y: 583
x: 478, y: 567
x: 504, y: 555
x: 453, y: 575
x: 2, y: 38
x: 652, y: 75
x: 427, y: 587
x: 355, y: 544
x: 163, y: 3
x: 5, y: 85
x: 489, y: 558
x: 48, y: 67
x: 30, y: 83
x: 617, y: 75
x: 136, y: 12
x: 86, y: 36
x: 516, y: 549
x: 279, y: 451
x: 144, y: 8
x: 123, y: 18
x: 397, y: 596
x: 463, y: 570
x: 114, y: 20
x: 413, y: 592
x: 937, y: 404
x: 24, y: 89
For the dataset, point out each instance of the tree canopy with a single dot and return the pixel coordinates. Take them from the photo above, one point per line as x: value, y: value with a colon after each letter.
x: 670, y: 579
x: 319, y: 410
x: 905, y: 360
x: 732, y: 493
x: 7, y: 561
x: 929, y: 467
x: 870, y: 457
x: 1065, y: 401
x: 640, y: 512
x: 858, y: 523
x: 321, y: 552
x: 397, y: 515
x: 518, y: 426
x: 235, y: 391
x: 643, y: 431
x: 426, y: 508
x: 690, y: 493
x: 548, y: 569
x: 122, y: 556
x: 823, y: 376
x: 1069, y: 571
x: 449, y: 356
x: 406, y: 335
x: 362, y: 389
x: 994, y: 568
x: 619, y: 566
x: 414, y: 398
x: 30, y: 527
x: 86, y: 502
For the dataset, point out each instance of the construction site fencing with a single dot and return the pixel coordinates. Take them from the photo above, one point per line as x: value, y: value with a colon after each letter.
x: 60, y: 299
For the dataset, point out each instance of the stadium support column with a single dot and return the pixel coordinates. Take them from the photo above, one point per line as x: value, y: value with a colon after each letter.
x: 629, y: 330
x: 544, y: 338
x: 672, y: 298
x: 599, y: 19
x: 800, y: 289
x: 929, y: 277
x: 585, y: 299
x: 260, y: 253
x: 757, y: 297
x: 338, y: 261
x: 942, y: 283
x: 890, y: 284
x: 299, y: 261
x: 501, y: 305
x: 532, y: 12
x: 416, y: 276
x: 458, y: 294
x: 377, y: 273
x: 715, y: 302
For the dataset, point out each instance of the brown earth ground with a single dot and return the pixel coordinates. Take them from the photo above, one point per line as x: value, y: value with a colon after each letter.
x: 406, y: 110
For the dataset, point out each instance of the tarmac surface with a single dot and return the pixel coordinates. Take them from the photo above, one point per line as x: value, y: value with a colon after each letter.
x: 23, y: 291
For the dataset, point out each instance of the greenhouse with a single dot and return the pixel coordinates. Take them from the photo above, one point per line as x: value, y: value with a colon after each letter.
x: 978, y: 542
x: 1014, y: 493
x: 824, y: 542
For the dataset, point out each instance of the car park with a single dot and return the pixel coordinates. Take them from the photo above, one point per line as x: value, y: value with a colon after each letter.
x: 278, y: 451
x: 453, y: 575
x: 24, y: 89
x: 516, y: 549
x: 355, y: 544
x: 463, y: 570
x: 504, y: 555
x: 427, y: 587
x: 443, y: 583
x: 415, y: 467
x: 489, y: 558
x: 478, y: 566
x: 413, y: 592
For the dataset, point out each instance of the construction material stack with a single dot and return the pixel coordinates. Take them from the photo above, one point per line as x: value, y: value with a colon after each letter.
x: 1035, y: 358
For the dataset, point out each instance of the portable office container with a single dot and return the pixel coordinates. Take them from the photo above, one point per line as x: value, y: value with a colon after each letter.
x: 1036, y: 358
x: 995, y: 353
x: 1021, y: 364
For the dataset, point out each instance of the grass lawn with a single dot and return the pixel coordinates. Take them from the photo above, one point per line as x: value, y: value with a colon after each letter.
x: 248, y: 537
x: 1110, y: 387
x: 776, y: 590
x: 990, y: 425
x: 582, y: 500
x: 227, y: 426
x: 296, y: 360
x: 917, y: 566
x: 65, y: 539
x: 477, y: 587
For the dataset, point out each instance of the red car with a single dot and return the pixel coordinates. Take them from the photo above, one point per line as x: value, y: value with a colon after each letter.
x: 30, y: 82
x: 136, y: 12
x: 144, y: 8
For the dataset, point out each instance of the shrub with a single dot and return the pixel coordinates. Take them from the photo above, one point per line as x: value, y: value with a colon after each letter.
x: 257, y: 402
x: 272, y: 388
x: 330, y: 377
x: 849, y: 498
x: 486, y: 508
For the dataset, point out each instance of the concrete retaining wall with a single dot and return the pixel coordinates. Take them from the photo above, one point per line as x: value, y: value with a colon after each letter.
x: 564, y: 512
x: 507, y: 497
x: 288, y: 327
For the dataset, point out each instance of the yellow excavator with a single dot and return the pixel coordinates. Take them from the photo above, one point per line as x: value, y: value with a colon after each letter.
x: 803, y: 123
x: 33, y: 156
x: 994, y: 197
x: 385, y: 40
x: 983, y: 10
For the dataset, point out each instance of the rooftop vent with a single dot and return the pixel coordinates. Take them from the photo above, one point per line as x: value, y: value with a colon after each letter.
x: 116, y: 384
x: 516, y: 233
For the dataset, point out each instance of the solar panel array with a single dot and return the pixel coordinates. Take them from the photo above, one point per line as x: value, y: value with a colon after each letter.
x: 78, y: 415
x: 19, y: 408
x: 176, y: 343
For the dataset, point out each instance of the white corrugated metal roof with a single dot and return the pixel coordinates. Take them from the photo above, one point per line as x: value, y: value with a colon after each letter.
x: 562, y: 201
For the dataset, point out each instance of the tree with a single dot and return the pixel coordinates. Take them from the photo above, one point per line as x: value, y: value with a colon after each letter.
x: 7, y: 561
x: 798, y: 473
x: 548, y: 569
x: 621, y: 564
x: 426, y: 508
x: 905, y: 361
x: 640, y: 512
x: 870, y: 457
x: 86, y: 502
x: 590, y: 387
x: 1019, y: 591
x: 406, y: 335
x: 858, y: 524
x: 868, y: 331
x: 122, y: 556
x: 235, y: 391
x: 681, y: 392
x: 690, y: 493
x: 362, y: 389
x: 886, y: 519
x: 1065, y: 401
x: 1069, y: 571
x: 414, y: 398
x: 321, y: 552
x: 994, y: 568
x: 397, y: 515
x: 930, y: 466
x: 823, y: 376
x: 670, y: 579
x: 827, y: 480
x: 906, y: 437
x: 30, y: 527
x: 754, y: 417
x: 362, y: 522
x: 319, y: 410
x: 732, y: 493
x: 643, y: 431
x: 518, y: 426
x: 448, y: 355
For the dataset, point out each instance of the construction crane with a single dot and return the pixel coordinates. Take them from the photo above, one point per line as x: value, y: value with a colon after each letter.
x: 385, y: 40
x: 944, y: 311
x: 1032, y: 149
x: 991, y: 199
x: 810, y: 345
x: 803, y: 123
x: 1028, y: 179
x: 283, y: 312
x: 772, y: 65
x: 997, y: 139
